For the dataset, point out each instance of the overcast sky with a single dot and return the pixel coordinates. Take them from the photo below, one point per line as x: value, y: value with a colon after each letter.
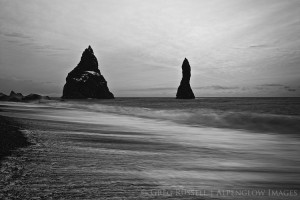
x: 235, y: 47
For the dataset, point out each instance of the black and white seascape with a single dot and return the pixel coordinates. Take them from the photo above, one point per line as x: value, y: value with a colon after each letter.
x: 138, y: 99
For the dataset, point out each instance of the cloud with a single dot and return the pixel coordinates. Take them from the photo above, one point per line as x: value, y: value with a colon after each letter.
x: 28, y: 86
x: 26, y: 40
x: 17, y: 35
x: 273, y: 85
x: 151, y: 89
x: 212, y: 87
x: 259, y: 46
x: 278, y: 86
x: 218, y: 87
x: 141, y: 44
x: 289, y: 89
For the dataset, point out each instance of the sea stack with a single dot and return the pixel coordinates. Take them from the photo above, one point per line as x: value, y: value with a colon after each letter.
x: 184, y: 90
x: 85, y: 80
x: 15, y: 96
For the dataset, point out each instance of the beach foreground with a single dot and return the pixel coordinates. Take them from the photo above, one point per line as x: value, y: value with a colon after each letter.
x: 82, y: 154
x: 10, y: 137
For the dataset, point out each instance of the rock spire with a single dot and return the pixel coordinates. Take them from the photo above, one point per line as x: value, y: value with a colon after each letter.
x: 184, y: 90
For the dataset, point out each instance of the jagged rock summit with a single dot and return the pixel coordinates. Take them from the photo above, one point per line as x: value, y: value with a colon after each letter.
x: 18, y: 97
x: 184, y: 90
x: 15, y: 96
x: 85, y: 80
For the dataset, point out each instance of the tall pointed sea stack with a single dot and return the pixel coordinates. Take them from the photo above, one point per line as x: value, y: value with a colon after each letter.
x: 85, y: 80
x: 184, y: 90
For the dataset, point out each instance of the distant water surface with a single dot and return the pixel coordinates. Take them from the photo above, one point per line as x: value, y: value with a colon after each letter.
x: 279, y: 115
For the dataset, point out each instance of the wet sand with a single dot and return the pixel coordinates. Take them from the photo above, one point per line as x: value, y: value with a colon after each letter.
x: 10, y: 137
x: 69, y: 165
x: 101, y: 156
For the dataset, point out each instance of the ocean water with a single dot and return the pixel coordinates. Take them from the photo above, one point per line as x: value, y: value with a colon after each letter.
x: 273, y: 115
x: 169, y: 148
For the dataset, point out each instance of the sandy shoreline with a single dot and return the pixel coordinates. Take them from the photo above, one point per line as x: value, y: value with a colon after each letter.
x: 60, y: 165
x: 63, y: 163
x: 84, y: 155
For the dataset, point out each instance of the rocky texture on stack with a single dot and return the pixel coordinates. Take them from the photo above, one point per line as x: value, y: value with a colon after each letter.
x: 3, y: 97
x: 15, y: 96
x: 33, y: 97
x: 184, y: 90
x: 85, y: 80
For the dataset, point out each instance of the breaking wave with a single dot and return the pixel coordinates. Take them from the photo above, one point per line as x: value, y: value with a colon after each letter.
x: 257, y: 122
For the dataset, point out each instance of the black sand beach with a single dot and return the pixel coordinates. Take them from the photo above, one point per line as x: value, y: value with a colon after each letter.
x: 80, y: 154
x: 11, y: 137
x: 60, y: 166
x: 62, y: 163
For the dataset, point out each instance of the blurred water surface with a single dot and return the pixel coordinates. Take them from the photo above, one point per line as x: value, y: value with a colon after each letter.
x: 157, y: 148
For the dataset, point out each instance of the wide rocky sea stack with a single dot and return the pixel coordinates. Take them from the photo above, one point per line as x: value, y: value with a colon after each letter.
x: 184, y: 90
x: 85, y: 80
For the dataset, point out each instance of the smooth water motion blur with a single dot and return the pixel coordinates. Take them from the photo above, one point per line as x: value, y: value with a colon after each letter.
x: 131, y: 147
